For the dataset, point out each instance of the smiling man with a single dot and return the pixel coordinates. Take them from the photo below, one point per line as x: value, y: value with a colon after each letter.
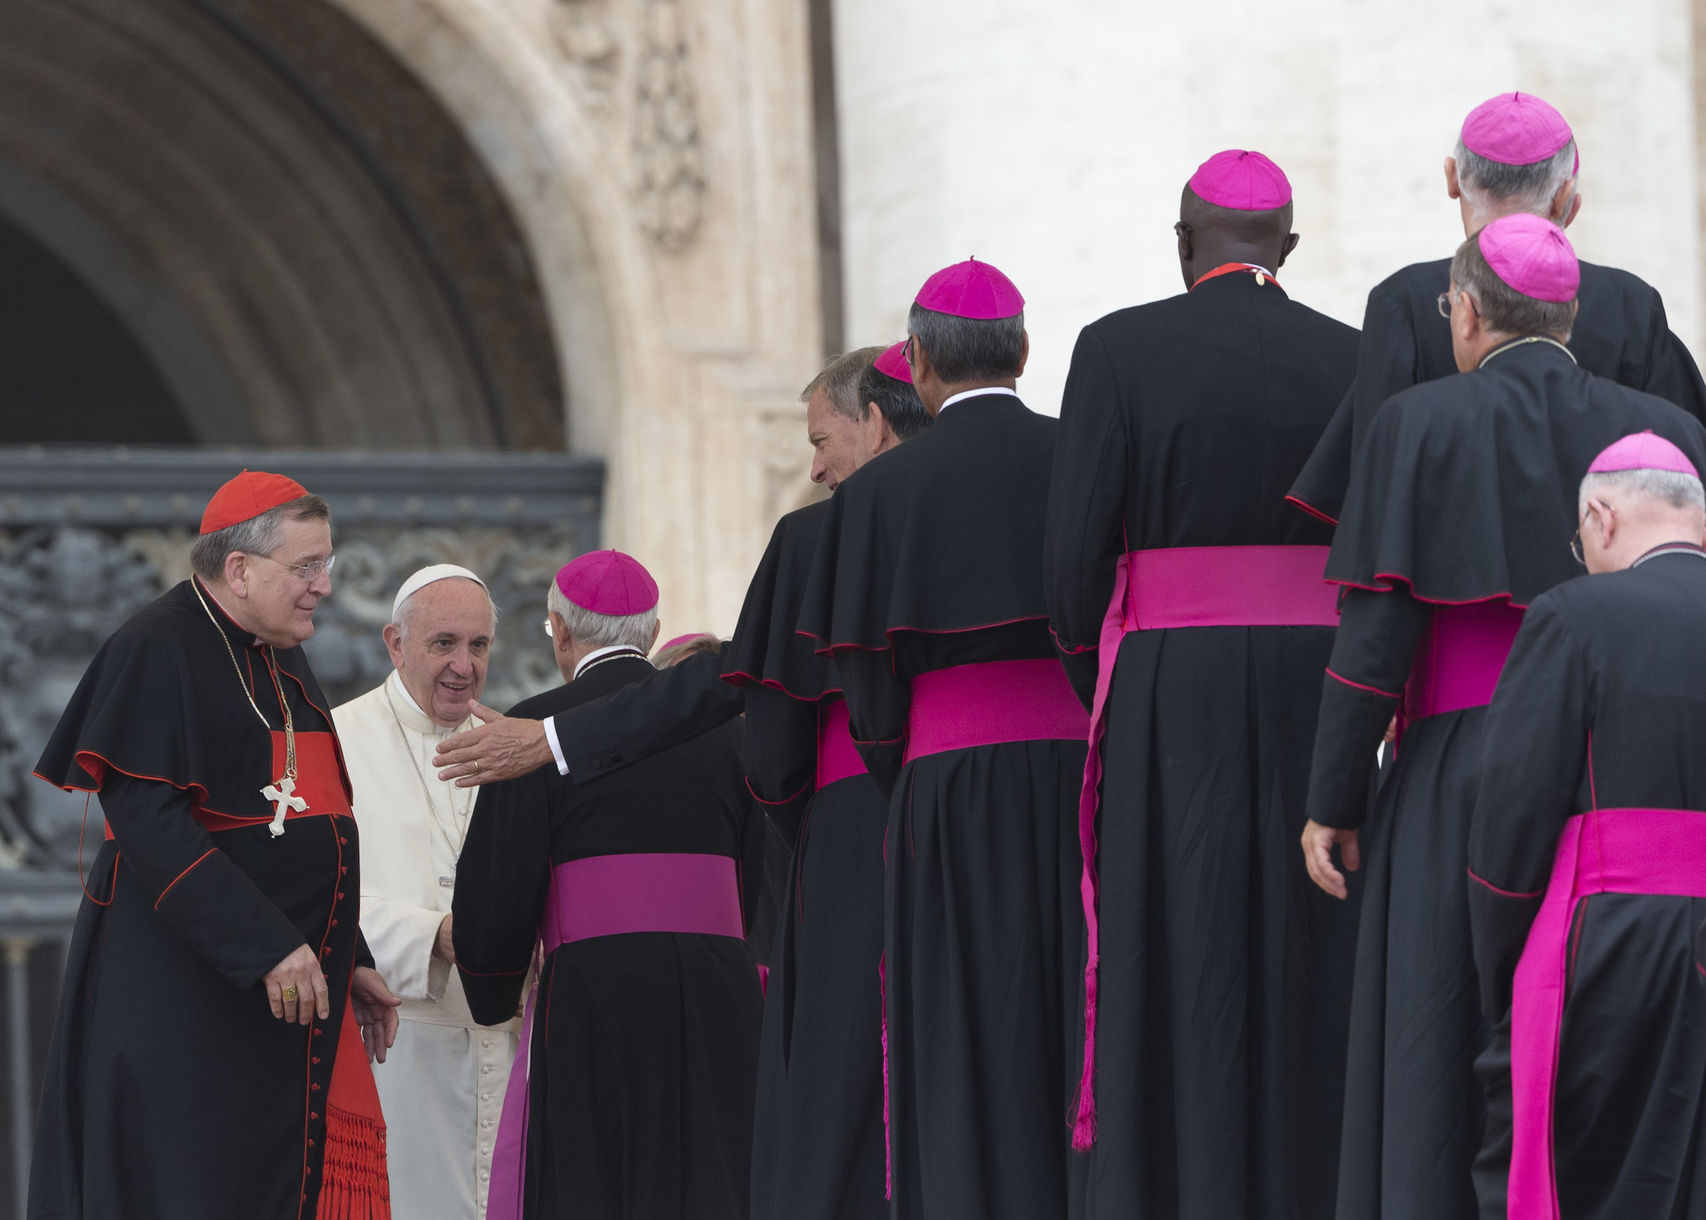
x: 445, y: 1088
x: 207, y: 1060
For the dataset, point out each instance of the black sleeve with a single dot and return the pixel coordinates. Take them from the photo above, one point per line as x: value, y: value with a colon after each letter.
x: 1320, y: 485
x: 1534, y: 749
x: 779, y: 755
x: 363, y: 955
x: 878, y: 704
x: 672, y: 706
x: 1373, y: 650
x: 197, y: 889
x: 1671, y: 371
x: 1085, y: 526
x: 501, y: 880
x: 1387, y: 361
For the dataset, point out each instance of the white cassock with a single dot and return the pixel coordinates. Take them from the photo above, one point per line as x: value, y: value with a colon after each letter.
x: 442, y: 1083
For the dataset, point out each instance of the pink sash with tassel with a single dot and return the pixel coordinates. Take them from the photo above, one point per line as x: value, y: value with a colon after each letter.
x: 609, y: 896
x: 1205, y: 586
x: 1604, y: 851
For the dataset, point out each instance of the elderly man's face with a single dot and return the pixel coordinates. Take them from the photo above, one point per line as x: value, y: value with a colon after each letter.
x: 278, y: 600
x: 441, y: 647
x: 834, y: 440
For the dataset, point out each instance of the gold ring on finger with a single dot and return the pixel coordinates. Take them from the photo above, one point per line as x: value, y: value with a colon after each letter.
x: 288, y: 992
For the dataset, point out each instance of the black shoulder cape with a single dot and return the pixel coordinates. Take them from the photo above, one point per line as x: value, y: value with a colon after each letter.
x: 1466, y: 490
x: 766, y: 649
x: 907, y: 541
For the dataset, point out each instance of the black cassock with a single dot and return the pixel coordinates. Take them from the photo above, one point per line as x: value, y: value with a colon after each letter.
x: 1464, y: 496
x: 931, y: 558
x: 644, y: 1044
x: 1224, y: 979
x: 171, y: 1090
x: 1620, y: 333
x: 1610, y: 664
x: 818, y: 1129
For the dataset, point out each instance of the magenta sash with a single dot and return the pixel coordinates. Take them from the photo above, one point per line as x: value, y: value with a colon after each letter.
x: 837, y: 758
x: 609, y: 896
x: 1604, y: 851
x: 1200, y: 586
x: 1460, y: 658
x: 989, y: 703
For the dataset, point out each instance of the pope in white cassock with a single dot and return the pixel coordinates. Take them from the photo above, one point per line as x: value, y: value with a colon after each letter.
x: 443, y: 1082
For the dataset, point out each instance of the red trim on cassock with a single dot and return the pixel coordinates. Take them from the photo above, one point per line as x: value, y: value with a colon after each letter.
x: 890, y: 632
x: 162, y: 898
x: 1394, y: 580
x: 1373, y: 690
x: 738, y: 677
x: 1311, y: 510
x: 787, y: 800
x: 1479, y: 880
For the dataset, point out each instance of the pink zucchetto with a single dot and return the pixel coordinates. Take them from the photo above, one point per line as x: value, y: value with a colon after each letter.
x: 1532, y: 255
x: 892, y: 363
x: 1243, y: 180
x: 1516, y: 129
x: 608, y: 582
x: 971, y: 290
x: 1642, y: 451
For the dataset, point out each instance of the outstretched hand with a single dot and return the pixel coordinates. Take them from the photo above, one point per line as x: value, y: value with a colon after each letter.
x: 498, y: 749
x: 1318, y: 843
x: 375, y: 1011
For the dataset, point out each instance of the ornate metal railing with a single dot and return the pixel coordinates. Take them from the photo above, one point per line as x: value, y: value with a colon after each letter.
x: 88, y: 535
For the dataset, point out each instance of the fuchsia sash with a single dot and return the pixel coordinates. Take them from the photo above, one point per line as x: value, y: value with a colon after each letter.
x: 1194, y: 586
x: 837, y: 758
x: 1460, y: 658
x: 1604, y: 851
x: 609, y: 896
x: 989, y: 703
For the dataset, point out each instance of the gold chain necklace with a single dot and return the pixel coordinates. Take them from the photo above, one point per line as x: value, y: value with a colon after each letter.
x: 448, y: 882
x: 280, y: 795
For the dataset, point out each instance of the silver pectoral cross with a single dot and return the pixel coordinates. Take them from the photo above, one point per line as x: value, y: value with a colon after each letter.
x: 281, y: 798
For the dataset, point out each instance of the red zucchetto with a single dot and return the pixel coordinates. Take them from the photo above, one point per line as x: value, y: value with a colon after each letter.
x: 1243, y: 180
x: 250, y: 494
x: 609, y: 583
x: 971, y: 290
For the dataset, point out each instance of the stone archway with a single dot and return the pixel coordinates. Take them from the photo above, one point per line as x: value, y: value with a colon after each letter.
x: 300, y: 239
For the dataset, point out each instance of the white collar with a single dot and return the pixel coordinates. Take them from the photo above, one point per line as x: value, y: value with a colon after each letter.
x: 988, y: 389
x: 410, y: 713
x: 598, y: 654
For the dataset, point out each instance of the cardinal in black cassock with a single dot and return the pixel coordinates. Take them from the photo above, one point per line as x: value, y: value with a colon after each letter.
x: 1456, y: 521
x: 192, y: 1072
x: 1587, y: 866
x: 1514, y: 151
x: 927, y: 589
x: 632, y: 1091
x: 1220, y: 977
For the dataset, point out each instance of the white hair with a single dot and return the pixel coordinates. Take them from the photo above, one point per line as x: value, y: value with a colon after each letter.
x: 1533, y: 187
x: 603, y: 630
x: 1673, y: 487
x: 405, y: 612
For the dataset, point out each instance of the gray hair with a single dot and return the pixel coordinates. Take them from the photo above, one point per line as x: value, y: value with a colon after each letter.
x: 1533, y: 187
x: 256, y: 536
x: 405, y: 615
x: 602, y: 630
x: 1503, y: 307
x: 839, y: 381
x: 1675, y: 488
x: 896, y: 399
x: 969, y: 349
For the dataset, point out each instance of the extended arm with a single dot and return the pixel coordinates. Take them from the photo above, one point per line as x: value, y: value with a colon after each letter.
x: 501, y: 880
x: 878, y: 703
x: 779, y: 755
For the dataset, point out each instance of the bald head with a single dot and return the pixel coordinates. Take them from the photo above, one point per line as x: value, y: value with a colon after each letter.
x: 1210, y: 236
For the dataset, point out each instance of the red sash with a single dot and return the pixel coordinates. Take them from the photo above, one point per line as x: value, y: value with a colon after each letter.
x: 1460, y: 658
x: 1180, y: 587
x: 1604, y: 851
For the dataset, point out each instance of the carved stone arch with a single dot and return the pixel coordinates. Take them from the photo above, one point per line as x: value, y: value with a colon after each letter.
x: 301, y: 239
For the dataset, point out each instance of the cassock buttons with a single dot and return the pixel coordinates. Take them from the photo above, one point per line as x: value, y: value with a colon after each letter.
x: 1260, y: 279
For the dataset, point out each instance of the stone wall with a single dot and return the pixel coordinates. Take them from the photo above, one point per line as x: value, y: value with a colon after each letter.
x: 1053, y: 140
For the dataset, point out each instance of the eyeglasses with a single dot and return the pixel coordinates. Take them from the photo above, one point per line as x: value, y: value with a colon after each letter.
x: 1445, y: 304
x: 1576, y: 538
x: 1181, y: 229
x: 309, y: 571
x: 548, y: 632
